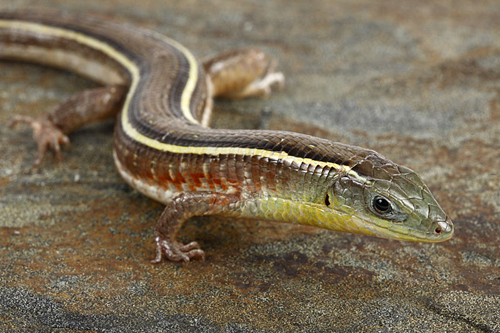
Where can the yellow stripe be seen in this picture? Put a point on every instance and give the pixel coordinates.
(192, 80)
(185, 99)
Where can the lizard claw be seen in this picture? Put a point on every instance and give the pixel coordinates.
(45, 133)
(176, 251)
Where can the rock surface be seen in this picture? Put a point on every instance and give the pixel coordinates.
(418, 81)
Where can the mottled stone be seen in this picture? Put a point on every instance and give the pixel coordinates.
(418, 81)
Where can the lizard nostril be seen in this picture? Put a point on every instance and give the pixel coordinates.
(443, 227)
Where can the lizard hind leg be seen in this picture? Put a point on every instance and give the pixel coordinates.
(45, 133)
(243, 73)
(50, 130)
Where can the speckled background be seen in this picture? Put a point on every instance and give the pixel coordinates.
(418, 81)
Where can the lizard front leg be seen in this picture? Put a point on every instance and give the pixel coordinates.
(182, 207)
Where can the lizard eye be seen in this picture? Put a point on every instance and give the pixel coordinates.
(381, 205)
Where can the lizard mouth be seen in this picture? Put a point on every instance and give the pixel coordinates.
(439, 231)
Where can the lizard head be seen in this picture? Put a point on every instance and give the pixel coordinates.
(378, 197)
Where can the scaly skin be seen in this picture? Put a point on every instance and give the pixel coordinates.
(163, 148)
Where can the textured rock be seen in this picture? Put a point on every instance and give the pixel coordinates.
(418, 81)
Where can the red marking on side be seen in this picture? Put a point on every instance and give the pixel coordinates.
(178, 181)
(210, 181)
(164, 177)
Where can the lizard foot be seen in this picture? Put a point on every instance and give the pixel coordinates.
(176, 251)
(264, 86)
(46, 135)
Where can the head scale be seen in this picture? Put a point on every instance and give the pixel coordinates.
(388, 200)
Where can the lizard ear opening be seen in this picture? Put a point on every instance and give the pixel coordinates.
(327, 200)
